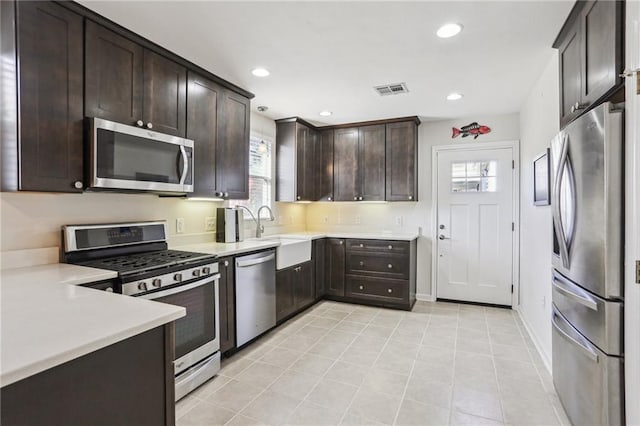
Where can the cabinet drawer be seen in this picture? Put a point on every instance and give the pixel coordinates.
(378, 289)
(378, 264)
(382, 246)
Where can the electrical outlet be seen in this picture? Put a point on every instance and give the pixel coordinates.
(209, 223)
(357, 220)
(399, 220)
(179, 225)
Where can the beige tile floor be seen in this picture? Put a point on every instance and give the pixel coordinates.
(338, 363)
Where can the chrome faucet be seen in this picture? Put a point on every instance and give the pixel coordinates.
(259, 227)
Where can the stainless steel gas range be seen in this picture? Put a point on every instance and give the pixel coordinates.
(147, 269)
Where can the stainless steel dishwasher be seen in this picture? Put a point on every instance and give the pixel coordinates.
(255, 295)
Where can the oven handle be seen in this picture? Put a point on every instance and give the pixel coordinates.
(251, 262)
(180, 288)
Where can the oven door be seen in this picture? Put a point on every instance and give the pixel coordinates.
(127, 157)
(197, 335)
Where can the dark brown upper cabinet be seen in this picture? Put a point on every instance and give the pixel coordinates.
(359, 163)
(324, 156)
(203, 109)
(232, 153)
(590, 48)
(402, 161)
(297, 162)
(46, 153)
(127, 83)
(346, 158)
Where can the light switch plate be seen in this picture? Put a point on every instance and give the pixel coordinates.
(179, 225)
(209, 223)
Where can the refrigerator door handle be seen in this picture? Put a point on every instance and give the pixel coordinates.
(561, 284)
(557, 219)
(590, 353)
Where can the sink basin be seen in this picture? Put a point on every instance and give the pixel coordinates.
(291, 251)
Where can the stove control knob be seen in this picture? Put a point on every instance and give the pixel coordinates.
(196, 272)
(206, 270)
(157, 282)
(142, 286)
(177, 277)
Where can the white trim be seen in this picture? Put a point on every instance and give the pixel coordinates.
(515, 147)
(536, 342)
(425, 297)
(632, 220)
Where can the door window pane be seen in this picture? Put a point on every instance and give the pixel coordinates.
(474, 176)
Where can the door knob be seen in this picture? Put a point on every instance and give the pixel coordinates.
(442, 237)
(441, 227)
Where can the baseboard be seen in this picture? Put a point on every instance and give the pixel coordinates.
(545, 359)
(425, 297)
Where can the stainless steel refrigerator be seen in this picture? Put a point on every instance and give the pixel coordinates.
(587, 277)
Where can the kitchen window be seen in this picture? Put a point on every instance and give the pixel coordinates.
(260, 176)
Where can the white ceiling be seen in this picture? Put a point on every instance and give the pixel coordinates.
(329, 55)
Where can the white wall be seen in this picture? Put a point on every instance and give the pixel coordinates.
(538, 124)
(413, 216)
(33, 220)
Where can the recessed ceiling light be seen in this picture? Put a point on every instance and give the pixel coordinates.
(454, 96)
(448, 30)
(325, 113)
(260, 72)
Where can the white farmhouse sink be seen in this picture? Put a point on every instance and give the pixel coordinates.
(291, 251)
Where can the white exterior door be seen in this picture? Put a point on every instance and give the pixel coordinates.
(475, 215)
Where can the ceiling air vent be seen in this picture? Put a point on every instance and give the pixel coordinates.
(391, 89)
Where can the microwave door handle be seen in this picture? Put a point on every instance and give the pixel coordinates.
(557, 220)
(185, 165)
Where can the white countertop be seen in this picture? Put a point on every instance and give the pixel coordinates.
(270, 241)
(47, 319)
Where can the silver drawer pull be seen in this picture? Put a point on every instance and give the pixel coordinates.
(361, 245)
(389, 291)
(390, 266)
(361, 263)
(361, 287)
(390, 247)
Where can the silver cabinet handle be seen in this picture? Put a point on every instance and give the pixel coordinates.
(77, 184)
(562, 285)
(251, 262)
(390, 266)
(361, 245)
(410, 197)
(226, 263)
(390, 247)
(355, 198)
(226, 194)
(361, 287)
(139, 123)
(328, 198)
(360, 198)
(389, 291)
(149, 126)
(298, 197)
(361, 263)
(341, 242)
(590, 353)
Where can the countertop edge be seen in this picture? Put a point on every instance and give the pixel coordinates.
(8, 378)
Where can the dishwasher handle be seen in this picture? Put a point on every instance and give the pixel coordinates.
(252, 262)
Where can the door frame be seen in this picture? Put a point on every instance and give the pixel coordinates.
(515, 271)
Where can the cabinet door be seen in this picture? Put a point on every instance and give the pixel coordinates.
(402, 161)
(346, 182)
(305, 163)
(372, 163)
(232, 162)
(285, 293)
(324, 159)
(318, 256)
(202, 127)
(335, 267)
(570, 74)
(165, 94)
(227, 310)
(304, 292)
(50, 52)
(113, 76)
(602, 43)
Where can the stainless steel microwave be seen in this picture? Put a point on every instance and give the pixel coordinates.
(133, 158)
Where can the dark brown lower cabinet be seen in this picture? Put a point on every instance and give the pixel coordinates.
(227, 305)
(335, 267)
(318, 255)
(386, 291)
(128, 383)
(295, 289)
